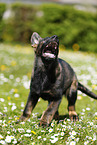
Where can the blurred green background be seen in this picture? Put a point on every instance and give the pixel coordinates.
(76, 29)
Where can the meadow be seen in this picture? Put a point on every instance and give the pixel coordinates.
(16, 62)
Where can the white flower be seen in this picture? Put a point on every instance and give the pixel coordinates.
(11, 77)
(28, 130)
(9, 138)
(18, 80)
(26, 84)
(79, 98)
(52, 124)
(2, 100)
(56, 134)
(94, 136)
(72, 143)
(50, 130)
(44, 139)
(1, 136)
(5, 109)
(16, 95)
(72, 137)
(73, 132)
(91, 123)
(9, 103)
(13, 104)
(12, 137)
(33, 143)
(29, 120)
(39, 100)
(42, 130)
(82, 113)
(36, 126)
(83, 110)
(87, 109)
(22, 122)
(86, 142)
(64, 122)
(8, 132)
(62, 133)
(67, 143)
(64, 126)
(4, 124)
(39, 137)
(69, 127)
(55, 139)
(95, 114)
(27, 135)
(2, 142)
(63, 129)
(0, 121)
(13, 108)
(90, 138)
(15, 141)
(21, 130)
(68, 120)
(76, 139)
(22, 104)
(1, 113)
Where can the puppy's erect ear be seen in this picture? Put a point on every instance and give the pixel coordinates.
(35, 38)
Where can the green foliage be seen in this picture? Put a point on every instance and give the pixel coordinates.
(72, 26)
(19, 27)
(2, 10)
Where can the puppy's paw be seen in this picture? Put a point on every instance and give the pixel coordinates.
(73, 116)
(43, 123)
(21, 119)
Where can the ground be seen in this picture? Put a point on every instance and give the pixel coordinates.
(16, 64)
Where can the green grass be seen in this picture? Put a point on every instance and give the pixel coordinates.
(16, 64)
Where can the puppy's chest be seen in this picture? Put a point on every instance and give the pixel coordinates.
(40, 83)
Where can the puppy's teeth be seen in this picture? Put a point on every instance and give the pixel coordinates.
(49, 55)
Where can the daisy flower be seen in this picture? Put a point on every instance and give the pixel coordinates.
(72, 143)
(50, 130)
(54, 139)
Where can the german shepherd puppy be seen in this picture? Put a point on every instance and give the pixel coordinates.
(52, 78)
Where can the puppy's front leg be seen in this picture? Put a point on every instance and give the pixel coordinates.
(49, 113)
(31, 102)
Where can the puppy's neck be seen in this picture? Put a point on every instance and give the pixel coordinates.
(51, 71)
(50, 68)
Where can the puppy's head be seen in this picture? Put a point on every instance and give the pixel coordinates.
(47, 48)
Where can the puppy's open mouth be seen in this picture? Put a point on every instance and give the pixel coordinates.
(50, 50)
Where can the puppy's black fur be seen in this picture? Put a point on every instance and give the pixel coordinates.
(51, 79)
